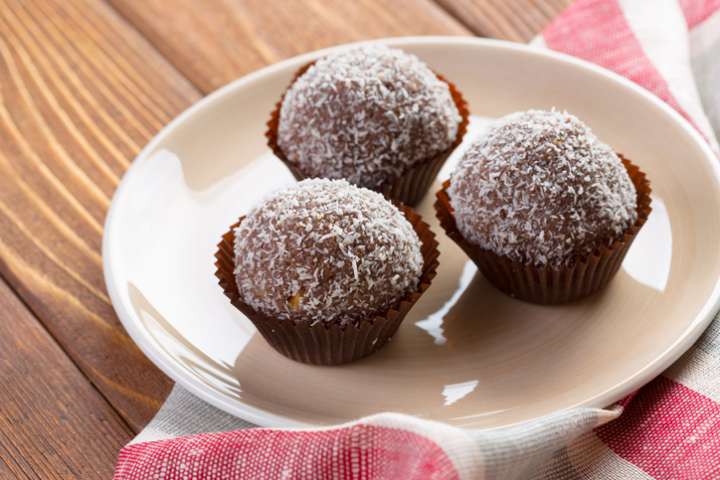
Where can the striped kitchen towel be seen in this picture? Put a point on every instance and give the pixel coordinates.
(670, 429)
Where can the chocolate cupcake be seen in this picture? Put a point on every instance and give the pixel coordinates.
(375, 116)
(326, 271)
(545, 209)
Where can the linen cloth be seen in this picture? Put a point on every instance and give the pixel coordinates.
(670, 429)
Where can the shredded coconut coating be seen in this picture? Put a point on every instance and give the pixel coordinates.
(366, 115)
(326, 251)
(540, 188)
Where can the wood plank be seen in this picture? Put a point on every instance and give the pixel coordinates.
(80, 93)
(53, 423)
(226, 39)
(517, 20)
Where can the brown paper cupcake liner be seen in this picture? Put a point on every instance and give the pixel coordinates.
(410, 187)
(329, 344)
(547, 285)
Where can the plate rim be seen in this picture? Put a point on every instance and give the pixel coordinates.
(261, 417)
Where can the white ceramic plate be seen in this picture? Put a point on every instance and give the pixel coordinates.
(466, 354)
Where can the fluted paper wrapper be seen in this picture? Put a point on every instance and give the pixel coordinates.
(547, 285)
(413, 184)
(331, 343)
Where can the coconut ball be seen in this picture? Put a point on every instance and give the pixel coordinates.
(367, 115)
(326, 251)
(540, 188)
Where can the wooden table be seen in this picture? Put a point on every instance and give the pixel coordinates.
(83, 86)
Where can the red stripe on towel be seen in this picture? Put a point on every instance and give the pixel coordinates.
(360, 452)
(697, 11)
(668, 431)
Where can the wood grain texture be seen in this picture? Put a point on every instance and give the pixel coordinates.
(53, 423)
(80, 93)
(517, 20)
(221, 40)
